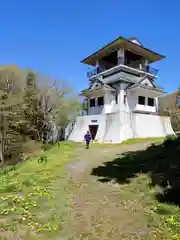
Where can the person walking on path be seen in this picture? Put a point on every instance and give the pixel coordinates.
(87, 138)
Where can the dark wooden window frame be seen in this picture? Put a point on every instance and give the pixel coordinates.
(151, 102)
(100, 101)
(125, 99)
(141, 100)
(92, 102)
(116, 98)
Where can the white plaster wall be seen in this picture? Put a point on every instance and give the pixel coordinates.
(97, 63)
(110, 97)
(167, 125)
(77, 130)
(120, 55)
(82, 125)
(134, 125)
(109, 102)
(156, 105)
(117, 127)
(127, 128)
(145, 108)
(124, 85)
(121, 97)
(112, 128)
(95, 110)
(115, 108)
(146, 82)
(107, 108)
(110, 105)
(151, 126)
(132, 100)
(121, 92)
(117, 87)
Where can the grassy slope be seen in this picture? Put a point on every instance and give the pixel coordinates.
(30, 196)
(129, 141)
(117, 200)
(35, 198)
(135, 174)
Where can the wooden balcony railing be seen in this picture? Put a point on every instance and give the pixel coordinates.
(122, 61)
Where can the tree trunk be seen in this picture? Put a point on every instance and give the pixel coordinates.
(1, 138)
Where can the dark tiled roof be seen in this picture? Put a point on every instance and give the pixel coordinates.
(136, 85)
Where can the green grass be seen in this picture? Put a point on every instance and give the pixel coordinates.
(141, 140)
(108, 196)
(32, 194)
(128, 142)
(148, 185)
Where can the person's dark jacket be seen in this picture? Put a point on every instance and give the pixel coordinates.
(87, 137)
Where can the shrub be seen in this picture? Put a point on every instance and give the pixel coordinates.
(47, 146)
(170, 137)
(31, 146)
(8, 169)
(42, 159)
(172, 141)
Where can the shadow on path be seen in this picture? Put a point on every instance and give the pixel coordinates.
(160, 162)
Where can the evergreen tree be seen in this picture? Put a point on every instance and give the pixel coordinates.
(32, 109)
(10, 116)
(29, 110)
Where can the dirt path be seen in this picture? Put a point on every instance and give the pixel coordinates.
(104, 210)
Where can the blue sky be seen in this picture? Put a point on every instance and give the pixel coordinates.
(53, 36)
